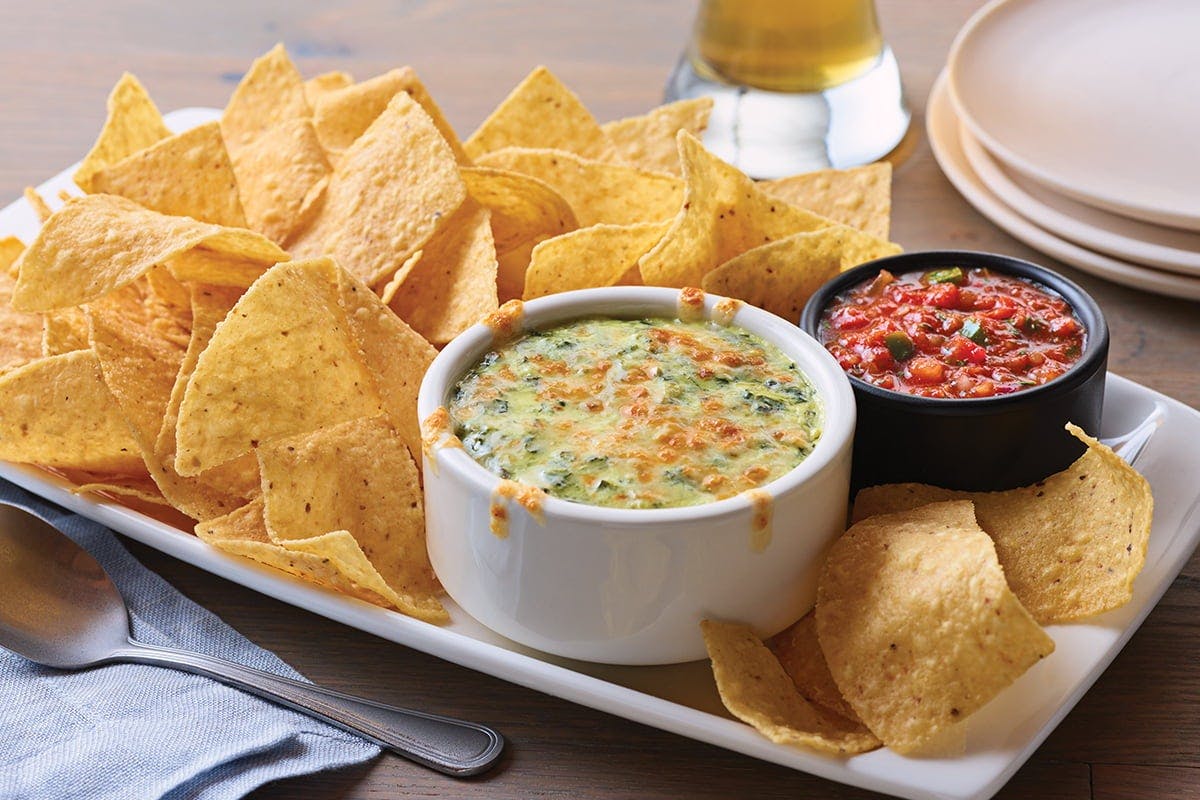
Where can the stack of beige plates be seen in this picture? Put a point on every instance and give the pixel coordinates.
(1075, 126)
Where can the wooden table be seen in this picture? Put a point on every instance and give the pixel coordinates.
(1136, 733)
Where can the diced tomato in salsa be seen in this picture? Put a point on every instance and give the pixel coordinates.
(980, 334)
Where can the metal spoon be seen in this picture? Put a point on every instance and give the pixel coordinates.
(60, 609)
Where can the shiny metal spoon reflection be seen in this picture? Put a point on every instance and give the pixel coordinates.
(60, 609)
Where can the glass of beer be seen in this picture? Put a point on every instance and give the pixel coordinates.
(797, 85)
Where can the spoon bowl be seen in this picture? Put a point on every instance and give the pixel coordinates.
(62, 610)
(59, 608)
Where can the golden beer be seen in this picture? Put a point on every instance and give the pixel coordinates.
(785, 45)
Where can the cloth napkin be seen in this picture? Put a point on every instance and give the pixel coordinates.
(139, 732)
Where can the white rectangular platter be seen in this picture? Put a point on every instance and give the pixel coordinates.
(683, 698)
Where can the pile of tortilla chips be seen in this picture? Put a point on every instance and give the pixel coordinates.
(233, 321)
(932, 603)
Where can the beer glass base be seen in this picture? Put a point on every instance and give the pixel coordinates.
(772, 134)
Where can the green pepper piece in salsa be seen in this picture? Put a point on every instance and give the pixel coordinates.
(972, 330)
(899, 345)
(949, 275)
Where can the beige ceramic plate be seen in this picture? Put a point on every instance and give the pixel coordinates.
(1171, 249)
(942, 125)
(1096, 99)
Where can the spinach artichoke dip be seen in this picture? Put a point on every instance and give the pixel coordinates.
(643, 413)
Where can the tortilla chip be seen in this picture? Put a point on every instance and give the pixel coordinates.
(453, 285)
(597, 192)
(780, 276)
(388, 293)
(602, 255)
(187, 175)
(388, 195)
(725, 214)
(523, 207)
(799, 653)
(64, 330)
(342, 116)
(168, 291)
(144, 370)
(418, 92)
(133, 124)
(38, 204)
(20, 332)
(282, 363)
(357, 477)
(860, 197)
(1071, 545)
(243, 533)
(222, 489)
(318, 86)
(271, 92)
(279, 175)
(134, 487)
(57, 412)
(139, 365)
(525, 211)
(215, 269)
(332, 560)
(396, 355)
(99, 243)
(540, 112)
(648, 141)
(756, 690)
(10, 250)
(918, 625)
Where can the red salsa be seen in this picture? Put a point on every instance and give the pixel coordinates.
(952, 332)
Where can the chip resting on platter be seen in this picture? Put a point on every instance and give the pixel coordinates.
(724, 214)
(282, 176)
(540, 112)
(57, 411)
(283, 362)
(270, 92)
(1070, 545)
(186, 175)
(358, 477)
(756, 689)
(799, 652)
(648, 141)
(860, 197)
(96, 244)
(390, 192)
(133, 124)
(326, 83)
(918, 625)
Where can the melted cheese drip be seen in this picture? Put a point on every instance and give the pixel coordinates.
(691, 304)
(725, 310)
(530, 498)
(506, 320)
(760, 527)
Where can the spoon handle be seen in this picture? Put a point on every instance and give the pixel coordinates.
(447, 745)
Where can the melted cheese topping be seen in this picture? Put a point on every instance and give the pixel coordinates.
(637, 413)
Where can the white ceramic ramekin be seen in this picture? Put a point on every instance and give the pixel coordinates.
(630, 586)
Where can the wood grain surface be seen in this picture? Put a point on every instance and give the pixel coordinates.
(1137, 732)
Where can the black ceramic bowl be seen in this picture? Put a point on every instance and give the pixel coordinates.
(988, 443)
